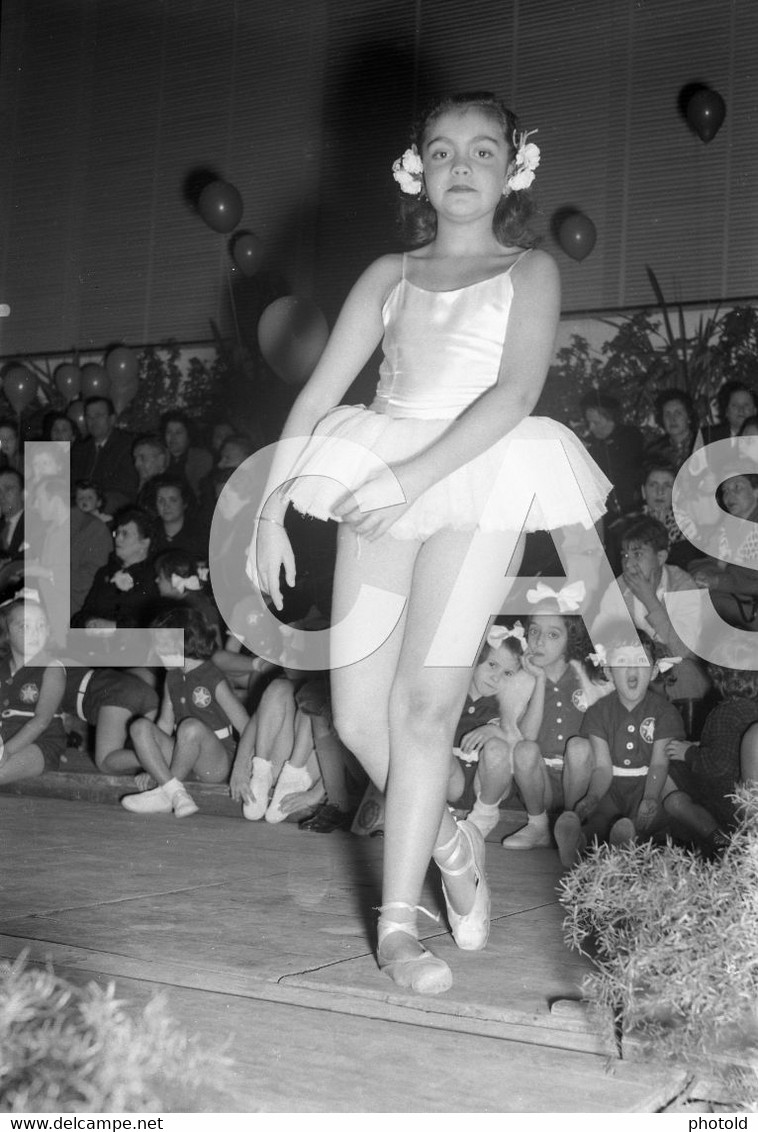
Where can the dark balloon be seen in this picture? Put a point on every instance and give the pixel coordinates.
(577, 235)
(95, 381)
(292, 333)
(75, 412)
(20, 387)
(121, 364)
(247, 252)
(68, 379)
(220, 206)
(706, 111)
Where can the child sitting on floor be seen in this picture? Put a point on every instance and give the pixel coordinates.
(194, 733)
(32, 738)
(496, 705)
(627, 789)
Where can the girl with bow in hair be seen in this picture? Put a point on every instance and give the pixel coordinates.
(494, 714)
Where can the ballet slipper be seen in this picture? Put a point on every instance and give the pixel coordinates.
(423, 973)
(470, 931)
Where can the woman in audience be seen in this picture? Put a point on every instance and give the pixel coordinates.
(731, 577)
(736, 402)
(616, 448)
(185, 459)
(59, 426)
(124, 590)
(176, 529)
(11, 454)
(675, 415)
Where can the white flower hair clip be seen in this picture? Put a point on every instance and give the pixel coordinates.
(181, 584)
(599, 656)
(569, 597)
(525, 162)
(499, 633)
(667, 662)
(123, 581)
(202, 573)
(408, 171)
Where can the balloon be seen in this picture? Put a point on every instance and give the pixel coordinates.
(247, 252)
(706, 111)
(68, 379)
(95, 381)
(19, 386)
(292, 333)
(577, 235)
(75, 412)
(121, 364)
(220, 206)
(123, 392)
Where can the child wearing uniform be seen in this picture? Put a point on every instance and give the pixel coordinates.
(467, 321)
(557, 643)
(627, 790)
(496, 704)
(31, 689)
(195, 731)
(108, 699)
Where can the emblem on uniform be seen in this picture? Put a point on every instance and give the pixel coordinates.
(29, 694)
(579, 700)
(647, 729)
(201, 697)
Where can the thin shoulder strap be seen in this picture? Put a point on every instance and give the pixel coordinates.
(518, 260)
(402, 276)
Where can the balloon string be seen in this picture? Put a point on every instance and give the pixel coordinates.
(233, 302)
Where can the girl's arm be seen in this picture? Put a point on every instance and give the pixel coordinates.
(50, 696)
(601, 778)
(527, 351)
(535, 710)
(656, 780)
(231, 707)
(166, 718)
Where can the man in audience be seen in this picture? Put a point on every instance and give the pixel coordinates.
(151, 459)
(12, 532)
(105, 457)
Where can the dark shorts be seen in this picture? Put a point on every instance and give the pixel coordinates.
(112, 687)
(52, 741)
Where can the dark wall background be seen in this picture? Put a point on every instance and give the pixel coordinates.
(111, 107)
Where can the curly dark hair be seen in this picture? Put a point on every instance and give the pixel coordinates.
(578, 643)
(418, 220)
(200, 641)
(724, 395)
(666, 396)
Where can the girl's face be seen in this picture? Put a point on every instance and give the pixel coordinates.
(466, 159)
(165, 589)
(169, 504)
(63, 429)
(87, 499)
(740, 497)
(629, 679)
(27, 630)
(739, 407)
(657, 491)
(676, 420)
(489, 676)
(8, 442)
(165, 643)
(44, 464)
(598, 423)
(547, 638)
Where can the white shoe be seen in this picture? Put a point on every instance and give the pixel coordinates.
(569, 838)
(182, 802)
(534, 835)
(260, 788)
(150, 802)
(291, 780)
(470, 931)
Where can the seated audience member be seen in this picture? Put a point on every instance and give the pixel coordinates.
(645, 580)
(109, 699)
(74, 547)
(657, 484)
(185, 459)
(234, 450)
(11, 453)
(625, 789)
(88, 498)
(731, 578)
(12, 532)
(124, 591)
(727, 754)
(221, 430)
(342, 777)
(150, 456)
(199, 715)
(178, 578)
(737, 403)
(615, 447)
(177, 526)
(31, 728)
(105, 455)
(59, 426)
(749, 428)
(277, 753)
(676, 417)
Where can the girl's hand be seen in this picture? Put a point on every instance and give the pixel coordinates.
(296, 803)
(475, 740)
(369, 510)
(584, 808)
(646, 812)
(530, 667)
(239, 782)
(269, 550)
(677, 749)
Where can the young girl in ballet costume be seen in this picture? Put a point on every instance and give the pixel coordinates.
(467, 321)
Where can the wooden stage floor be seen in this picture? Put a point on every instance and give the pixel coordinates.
(264, 933)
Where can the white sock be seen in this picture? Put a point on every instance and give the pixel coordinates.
(540, 820)
(484, 815)
(171, 787)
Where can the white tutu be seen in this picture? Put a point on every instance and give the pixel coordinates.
(492, 492)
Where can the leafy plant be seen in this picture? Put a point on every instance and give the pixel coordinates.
(674, 940)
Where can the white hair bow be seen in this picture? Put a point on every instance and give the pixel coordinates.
(181, 584)
(667, 662)
(599, 656)
(499, 633)
(569, 597)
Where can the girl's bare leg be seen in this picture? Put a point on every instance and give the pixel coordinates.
(154, 749)
(111, 753)
(198, 751)
(26, 763)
